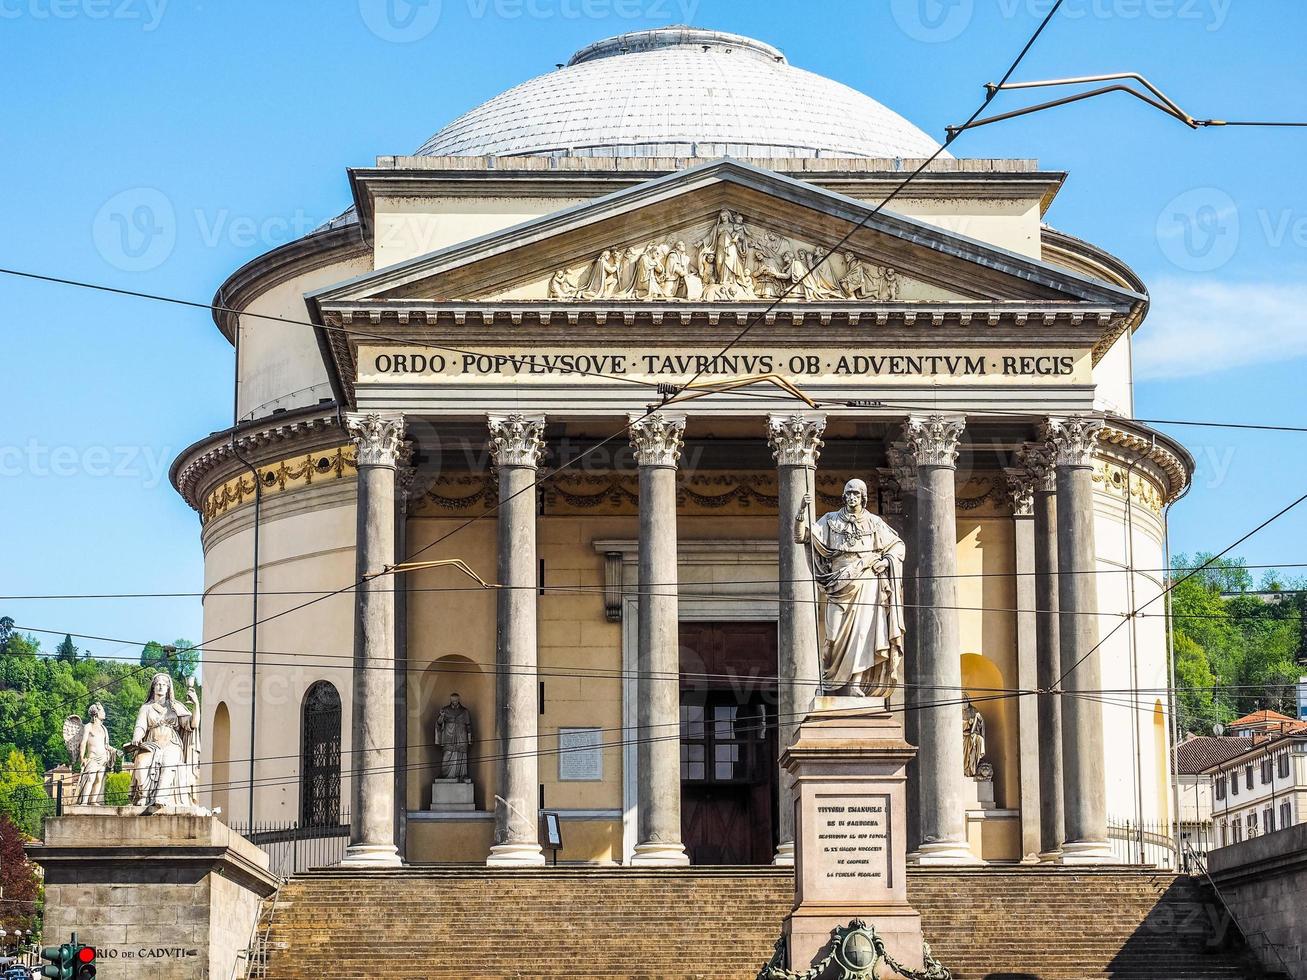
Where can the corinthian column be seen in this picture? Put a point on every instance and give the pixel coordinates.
(657, 440)
(1021, 496)
(795, 443)
(1073, 440)
(515, 450)
(1037, 460)
(372, 720)
(932, 443)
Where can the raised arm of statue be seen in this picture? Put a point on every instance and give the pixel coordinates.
(802, 526)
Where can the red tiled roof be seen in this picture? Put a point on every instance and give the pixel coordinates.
(1266, 720)
(1200, 753)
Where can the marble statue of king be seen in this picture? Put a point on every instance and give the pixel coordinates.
(857, 561)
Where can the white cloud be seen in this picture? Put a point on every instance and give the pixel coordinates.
(1202, 328)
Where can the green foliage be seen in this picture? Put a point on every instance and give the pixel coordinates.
(179, 658)
(66, 650)
(117, 788)
(1235, 651)
(23, 798)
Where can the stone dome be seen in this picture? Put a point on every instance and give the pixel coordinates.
(681, 92)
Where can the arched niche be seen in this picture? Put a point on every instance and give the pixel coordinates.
(983, 683)
(220, 774)
(1160, 761)
(475, 686)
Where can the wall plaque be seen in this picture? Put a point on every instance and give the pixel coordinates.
(580, 755)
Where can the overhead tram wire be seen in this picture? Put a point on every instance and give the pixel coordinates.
(1175, 582)
(862, 222)
(627, 590)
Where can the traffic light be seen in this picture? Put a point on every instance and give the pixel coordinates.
(84, 963)
(61, 960)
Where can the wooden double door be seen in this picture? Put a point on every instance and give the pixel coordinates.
(728, 742)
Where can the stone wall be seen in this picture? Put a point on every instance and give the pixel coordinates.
(1263, 881)
(171, 895)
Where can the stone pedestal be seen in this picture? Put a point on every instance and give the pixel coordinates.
(848, 764)
(451, 794)
(173, 895)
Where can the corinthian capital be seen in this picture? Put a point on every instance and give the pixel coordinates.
(1020, 490)
(379, 438)
(902, 466)
(1036, 458)
(1072, 438)
(796, 438)
(515, 439)
(932, 440)
(657, 438)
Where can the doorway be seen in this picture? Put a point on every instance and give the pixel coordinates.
(728, 742)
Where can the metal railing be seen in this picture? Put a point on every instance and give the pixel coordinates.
(1151, 843)
(293, 847)
(1199, 865)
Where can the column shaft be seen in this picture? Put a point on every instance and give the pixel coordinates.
(796, 444)
(372, 724)
(516, 447)
(933, 442)
(1048, 627)
(1083, 763)
(657, 441)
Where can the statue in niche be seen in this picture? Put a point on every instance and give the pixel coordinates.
(454, 738)
(973, 743)
(88, 746)
(857, 560)
(165, 747)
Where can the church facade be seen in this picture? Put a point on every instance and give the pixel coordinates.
(532, 424)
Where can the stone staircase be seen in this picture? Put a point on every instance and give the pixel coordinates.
(984, 924)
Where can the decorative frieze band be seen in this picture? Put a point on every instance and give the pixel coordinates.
(378, 437)
(657, 439)
(932, 440)
(516, 439)
(795, 438)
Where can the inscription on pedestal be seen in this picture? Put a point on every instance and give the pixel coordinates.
(853, 834)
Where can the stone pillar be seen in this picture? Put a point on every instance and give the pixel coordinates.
(1021, 497)
(372, 727)
(796, 443)
(405, 477)
(1073, 440)
(657, 441)
(515, 450)
(932, 441)
(1036, 459)
(903, 473)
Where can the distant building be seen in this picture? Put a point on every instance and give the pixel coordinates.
(61, 781)
(1263, 788)
(1194, 759)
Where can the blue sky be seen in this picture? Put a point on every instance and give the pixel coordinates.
(236, 121)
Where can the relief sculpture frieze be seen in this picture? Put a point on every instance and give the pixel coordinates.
(726, 260)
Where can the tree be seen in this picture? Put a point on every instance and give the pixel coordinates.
(66, 650)
(21, 907)
(6, 630)
(22, 793)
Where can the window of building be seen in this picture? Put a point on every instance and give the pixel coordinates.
(1237, 827)
(1225, 833)
(320, 756)
(1266, 771)
(1286, 815)
(1234, 783)
(1268, 819)
(1252, 824)
(722, 742)
(1283, 761)
(1220, 787)
(1248, 775)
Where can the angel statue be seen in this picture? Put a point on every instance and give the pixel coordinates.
(857, 561)
(89, 748)
(165, 747)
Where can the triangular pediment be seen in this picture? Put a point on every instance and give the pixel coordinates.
(724, 233)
